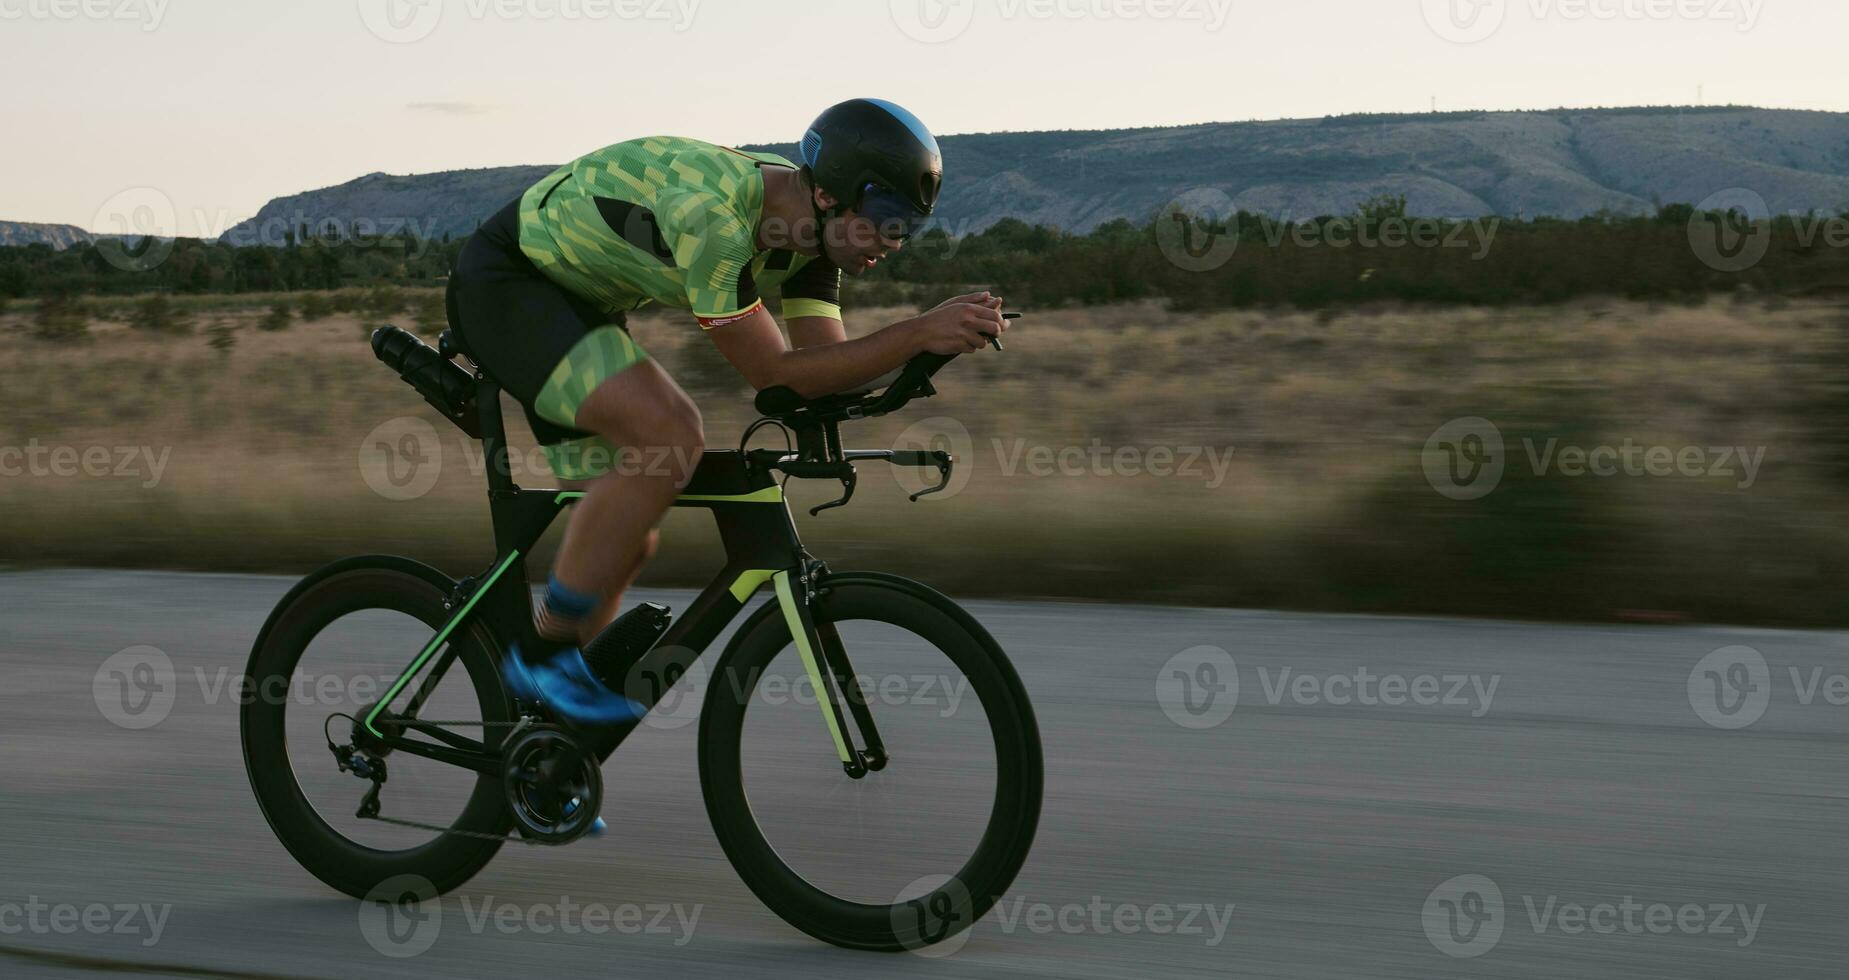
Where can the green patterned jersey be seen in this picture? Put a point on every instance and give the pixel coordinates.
(671, 221)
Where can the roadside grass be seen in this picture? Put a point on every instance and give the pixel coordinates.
(1305, 489)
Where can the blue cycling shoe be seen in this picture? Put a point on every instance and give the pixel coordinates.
(565, 684)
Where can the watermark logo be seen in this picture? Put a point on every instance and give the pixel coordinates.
(1464, 916)
(401, 21)
(1195, 230)
(1464, 459)
(143, 216)
(1208, 464)
(37, 917)
(1731, 687)
(1473, 21)
(933, 21)
(401, 459)
(1465, 21)
(148, 13)
(1731, 231)
(37, 460)
(939, 434)
(409, 21)
(933, 915)
(674, 680)
(1199, 687)
(136, 688)
(402, 917)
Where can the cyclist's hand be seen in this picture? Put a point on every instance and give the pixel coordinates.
(984, 298)
(960, 328)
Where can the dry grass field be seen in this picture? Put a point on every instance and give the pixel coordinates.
(1117, 453)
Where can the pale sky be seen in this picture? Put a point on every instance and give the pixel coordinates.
(220, 105)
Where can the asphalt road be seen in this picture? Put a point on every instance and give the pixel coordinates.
(1579, 775)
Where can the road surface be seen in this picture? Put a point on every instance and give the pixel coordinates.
(1373, 797)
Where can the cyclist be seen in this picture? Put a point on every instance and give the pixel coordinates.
(539, 295)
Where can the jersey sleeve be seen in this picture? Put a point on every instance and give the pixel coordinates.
(813, 290)
(712, 246)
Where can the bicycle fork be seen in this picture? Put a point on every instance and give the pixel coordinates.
(824, 656)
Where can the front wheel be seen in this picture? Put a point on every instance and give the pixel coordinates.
(917, 849)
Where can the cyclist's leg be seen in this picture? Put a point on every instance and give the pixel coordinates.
(642, 410)
(551, 351)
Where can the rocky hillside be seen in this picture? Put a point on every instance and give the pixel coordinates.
(27, 233)
(1566, 163)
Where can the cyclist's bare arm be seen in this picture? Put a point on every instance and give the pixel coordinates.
(757, 348)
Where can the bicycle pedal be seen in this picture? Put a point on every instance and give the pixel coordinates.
(617, 648)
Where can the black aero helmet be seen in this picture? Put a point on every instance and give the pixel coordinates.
(876, 158)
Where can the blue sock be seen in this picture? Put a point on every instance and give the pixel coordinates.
(562, 609)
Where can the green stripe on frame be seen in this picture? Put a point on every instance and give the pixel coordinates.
(437, 643)
(768, 495)
(749, 582)
(793, 618)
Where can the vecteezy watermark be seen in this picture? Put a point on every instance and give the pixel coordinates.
(36, 917)
(933, 915)
(407, 21)
(135, 688)
(1022, 458)
(1205, 463)
(1466, 917)
(401, 459)
(938, 21)
(1196, 231)
(142, 216)
(1466, 459)
(1732, 687)
(1471, 21)
(38, 460)
(403, 917)
(147, 13)
(1732, 230)
(345, 231)
(1199, 688)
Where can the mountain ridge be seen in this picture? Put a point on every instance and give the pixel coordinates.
(1564, 163)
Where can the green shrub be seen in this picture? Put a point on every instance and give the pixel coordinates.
(316, 306)
(430, 312)
(61, 319)
(384, 301)
(222, 335)
(157, 313)
(280, 317)
(347, 300)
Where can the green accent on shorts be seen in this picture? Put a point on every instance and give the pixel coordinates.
(603, 354)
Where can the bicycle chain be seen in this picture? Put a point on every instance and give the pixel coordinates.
(472, 834)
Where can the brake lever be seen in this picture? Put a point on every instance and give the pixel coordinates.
(848, 481)
(944, 462)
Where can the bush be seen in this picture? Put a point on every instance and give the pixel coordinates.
(158, 314)
(316, 306)
(61, 319)
(431, 312)
(280, 317)
(347, 300)
(384, 301)
(222, 335)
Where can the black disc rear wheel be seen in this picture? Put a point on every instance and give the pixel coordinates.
(334, 646)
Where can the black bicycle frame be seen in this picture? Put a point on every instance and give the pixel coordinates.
(761, 546)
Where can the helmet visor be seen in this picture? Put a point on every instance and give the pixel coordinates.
(890, 212)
